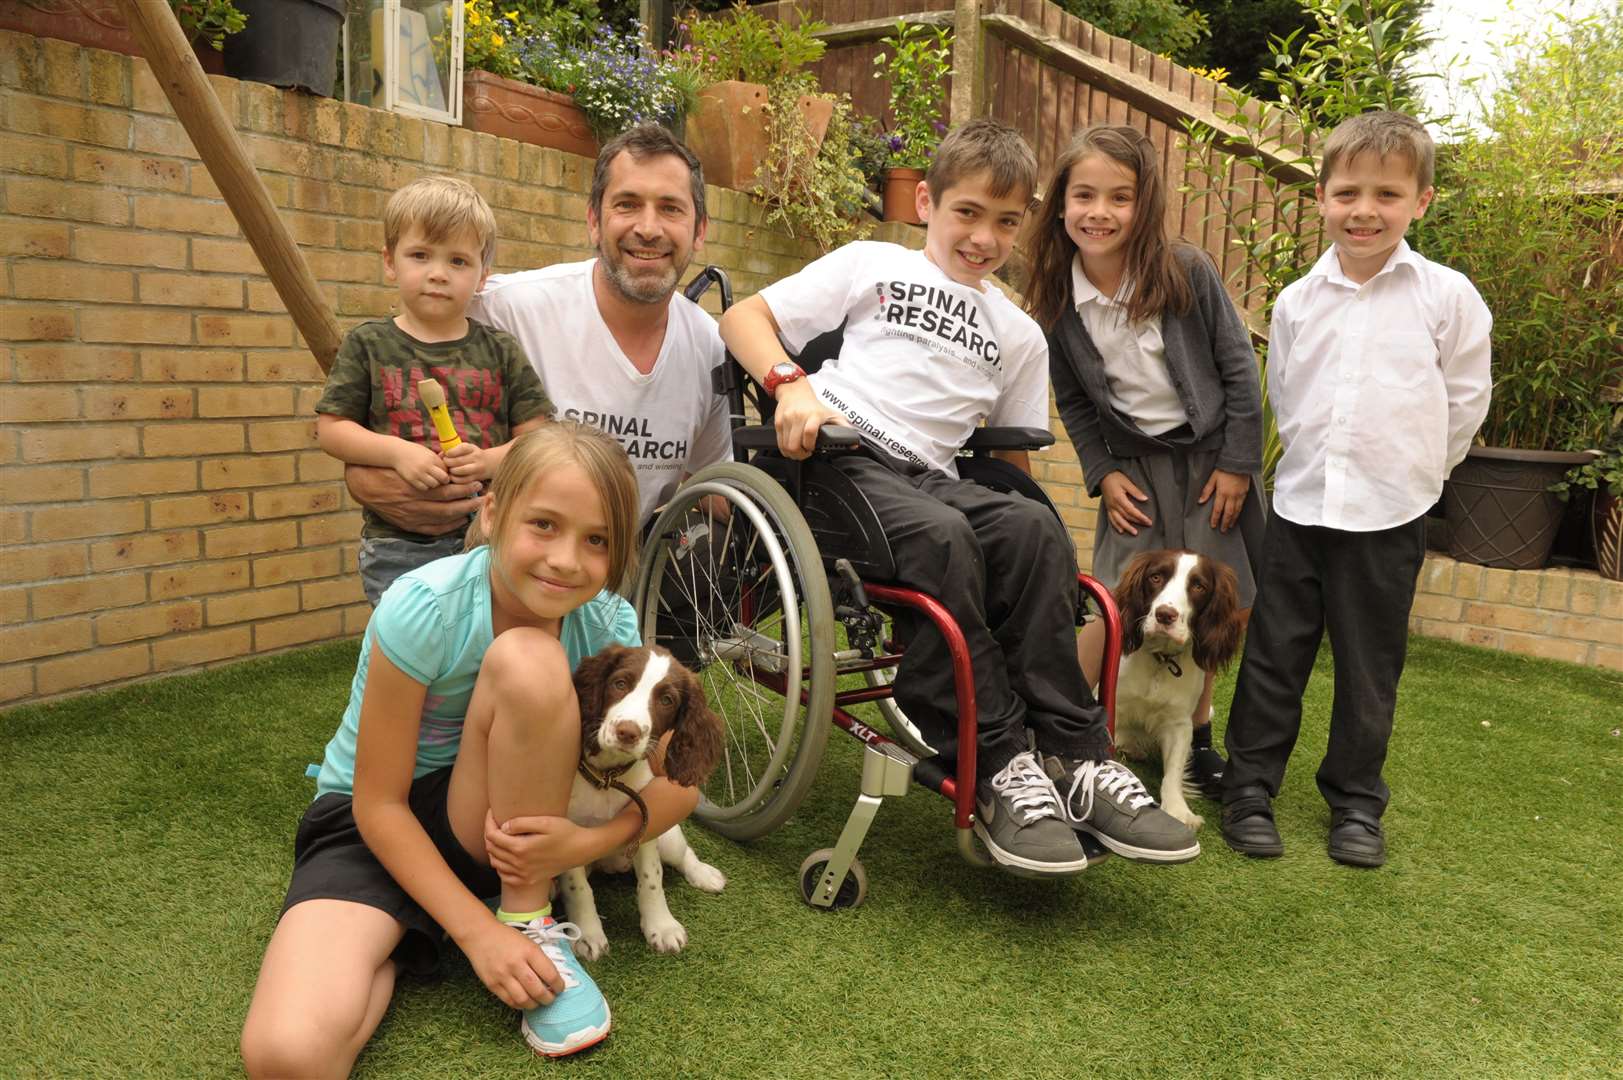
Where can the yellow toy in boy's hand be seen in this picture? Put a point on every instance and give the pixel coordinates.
(431, 395)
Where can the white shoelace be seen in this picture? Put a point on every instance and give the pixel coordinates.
(547, 936)
(1111, 777)
(1031, 794)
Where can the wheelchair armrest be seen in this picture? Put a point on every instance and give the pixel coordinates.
(1008, 438)
(764, 437)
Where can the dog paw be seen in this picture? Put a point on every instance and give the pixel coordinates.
(705, 878)
(666, 936)
(593, 944)
(1189, 818)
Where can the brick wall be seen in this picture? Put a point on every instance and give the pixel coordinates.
(163, 505)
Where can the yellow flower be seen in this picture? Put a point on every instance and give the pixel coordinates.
(513, 15)
(495, 39)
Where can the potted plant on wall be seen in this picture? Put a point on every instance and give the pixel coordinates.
(289, 43)
(917, 60)
(1528, 210)
(743, 61)
(206, 24)
(814, 187)
(557, 80)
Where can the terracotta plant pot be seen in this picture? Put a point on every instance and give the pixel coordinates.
(95, 24)
(900, 195)
(727, 131)
(1499, 507)
(516, 110)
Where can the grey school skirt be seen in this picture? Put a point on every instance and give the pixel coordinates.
(1173, 481)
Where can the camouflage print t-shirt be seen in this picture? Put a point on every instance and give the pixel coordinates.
(489, 389)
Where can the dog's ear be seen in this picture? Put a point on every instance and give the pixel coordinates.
(1133, 601)
(592, 680)
(696, 736)
(1217, 624)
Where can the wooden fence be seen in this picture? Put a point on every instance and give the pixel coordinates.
(1049, 74)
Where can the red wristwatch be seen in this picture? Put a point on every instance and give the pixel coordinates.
(786, 372)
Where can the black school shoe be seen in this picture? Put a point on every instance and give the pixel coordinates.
(1203, 774)
(1248, 824)
(1355, 839)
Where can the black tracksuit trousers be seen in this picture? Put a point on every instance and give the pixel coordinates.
(1005, 567)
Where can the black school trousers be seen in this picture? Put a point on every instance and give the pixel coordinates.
(1005, 568)
(1359, 586)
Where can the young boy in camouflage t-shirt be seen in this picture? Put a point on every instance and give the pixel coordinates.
(439, 241)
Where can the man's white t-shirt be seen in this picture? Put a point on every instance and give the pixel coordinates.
(668, 420)
(924, 360)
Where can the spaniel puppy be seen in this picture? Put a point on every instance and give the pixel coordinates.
(629, 699)
(1180, 620)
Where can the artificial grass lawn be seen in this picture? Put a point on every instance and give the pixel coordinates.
(149, 833)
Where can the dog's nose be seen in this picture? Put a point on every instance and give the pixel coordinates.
(1166, 615)
(627, 733)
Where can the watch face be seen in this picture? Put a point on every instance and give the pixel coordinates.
(785, 370)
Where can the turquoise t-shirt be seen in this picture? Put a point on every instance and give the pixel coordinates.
(434, 625)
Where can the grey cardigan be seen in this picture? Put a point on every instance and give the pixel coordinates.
(1213, 369)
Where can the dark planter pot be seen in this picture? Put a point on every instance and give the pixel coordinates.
(1499, 507)
(1608, 534)
(289, 43)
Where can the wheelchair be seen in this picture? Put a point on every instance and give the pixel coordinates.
(767, 576)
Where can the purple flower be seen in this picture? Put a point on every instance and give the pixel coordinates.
(895, 143)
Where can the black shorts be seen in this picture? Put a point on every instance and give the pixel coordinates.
(332, 862)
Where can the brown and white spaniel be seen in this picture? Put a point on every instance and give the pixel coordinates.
(1180, 617)
(629, 700)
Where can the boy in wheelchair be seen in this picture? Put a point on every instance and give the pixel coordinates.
(931, 350)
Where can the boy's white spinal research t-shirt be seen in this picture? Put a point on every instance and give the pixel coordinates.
(669, 420)
(924, 361)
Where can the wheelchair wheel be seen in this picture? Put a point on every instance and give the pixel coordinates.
(852, 890)
(742, 599)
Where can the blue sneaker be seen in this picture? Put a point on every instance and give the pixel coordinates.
(578, 1017)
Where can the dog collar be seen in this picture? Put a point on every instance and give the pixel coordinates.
(1168, 659)
(610, 778)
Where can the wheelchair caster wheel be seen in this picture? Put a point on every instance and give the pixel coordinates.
(851, 892)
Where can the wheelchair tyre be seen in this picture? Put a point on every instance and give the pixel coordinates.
(714, 594)
(851, 892)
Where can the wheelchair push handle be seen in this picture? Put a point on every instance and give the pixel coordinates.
(701, 282)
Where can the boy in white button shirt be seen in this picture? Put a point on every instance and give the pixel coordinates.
(1378, 374)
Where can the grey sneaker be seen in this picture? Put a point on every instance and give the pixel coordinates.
(1019, 819)
(1104, 799)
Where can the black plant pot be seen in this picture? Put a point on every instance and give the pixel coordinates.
(1499, 507)
(290, 43)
